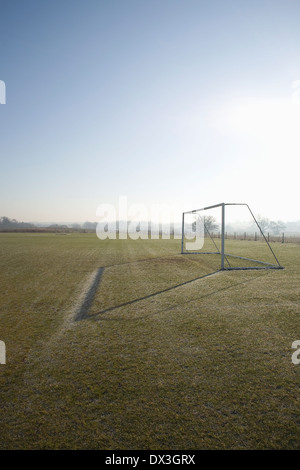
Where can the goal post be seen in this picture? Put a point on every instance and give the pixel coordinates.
(199, 225)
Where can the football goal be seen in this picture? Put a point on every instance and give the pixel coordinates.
(231, 233)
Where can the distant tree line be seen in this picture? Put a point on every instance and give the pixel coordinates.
(6, 224)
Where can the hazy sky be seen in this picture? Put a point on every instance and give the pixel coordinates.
(186, 102)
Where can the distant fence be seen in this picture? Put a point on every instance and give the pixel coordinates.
(284, 237)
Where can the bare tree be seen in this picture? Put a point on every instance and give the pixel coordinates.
(210, 223)
(276, 227)
(263, 222)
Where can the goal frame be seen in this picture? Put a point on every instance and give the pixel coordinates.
(224, 255)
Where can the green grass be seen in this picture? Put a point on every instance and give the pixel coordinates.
(206, 365)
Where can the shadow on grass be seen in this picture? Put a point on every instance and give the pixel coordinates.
(83, 314)
(88, 300)
(139, 299)
(217, 291)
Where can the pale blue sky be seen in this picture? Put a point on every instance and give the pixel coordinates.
(185, 102)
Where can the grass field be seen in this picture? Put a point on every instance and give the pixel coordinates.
(167, 357)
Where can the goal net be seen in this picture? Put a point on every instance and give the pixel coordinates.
(231, 234)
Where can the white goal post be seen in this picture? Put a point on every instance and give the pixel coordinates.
(199, 215)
